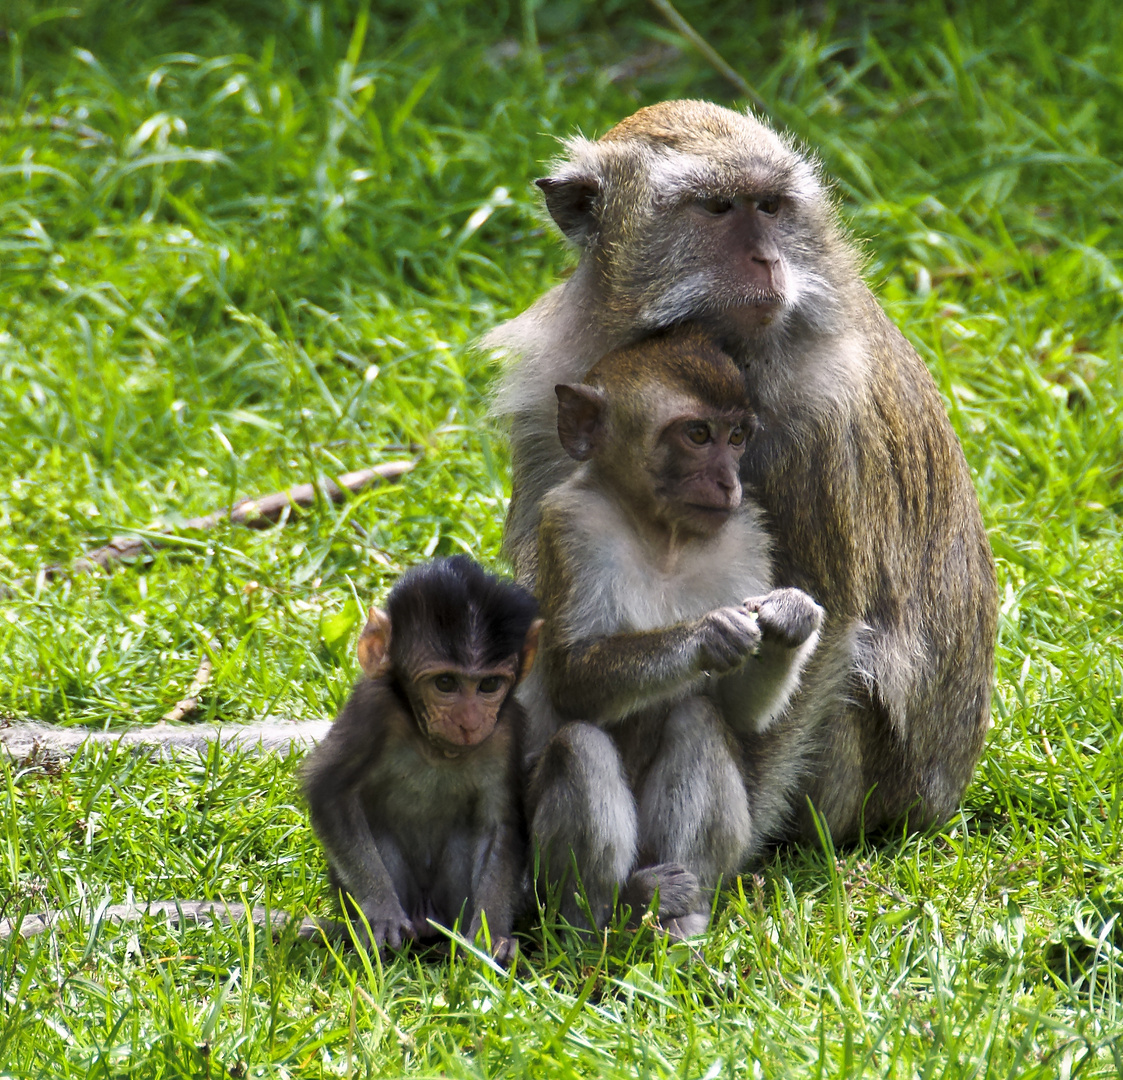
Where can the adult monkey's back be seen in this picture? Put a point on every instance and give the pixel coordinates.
(690, 211)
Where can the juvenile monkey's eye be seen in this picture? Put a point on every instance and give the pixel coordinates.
(698, 434)
(490, 684)
(769, 206)
(715, 204)
(446, 684)
(737, 435)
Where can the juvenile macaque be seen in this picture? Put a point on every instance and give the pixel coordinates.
(653, 661)
(688, 211)
(416, 792)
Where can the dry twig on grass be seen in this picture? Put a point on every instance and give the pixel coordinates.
(259, 513)
(190, 701)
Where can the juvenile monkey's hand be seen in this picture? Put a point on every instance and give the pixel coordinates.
(390, 926)
(787, 617)
(728, 636)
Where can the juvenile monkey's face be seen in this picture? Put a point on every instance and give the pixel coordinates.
(695, 468)
(458, 708)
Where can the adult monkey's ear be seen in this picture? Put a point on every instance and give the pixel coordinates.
(580, 419)
(571, 201)
(374, 644)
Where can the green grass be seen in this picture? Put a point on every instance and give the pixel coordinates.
(245, 246)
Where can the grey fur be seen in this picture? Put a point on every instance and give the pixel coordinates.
(866, 497)
(413, 836)
(646, 628)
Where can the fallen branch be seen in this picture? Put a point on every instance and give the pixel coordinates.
(190, 701)
(177, 913)
(258, 513)
(30, 741)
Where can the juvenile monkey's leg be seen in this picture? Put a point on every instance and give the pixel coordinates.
(583, 816)
(693, 809)
(498, 859)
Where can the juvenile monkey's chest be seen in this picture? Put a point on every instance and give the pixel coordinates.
(425, 806)
(635, 588)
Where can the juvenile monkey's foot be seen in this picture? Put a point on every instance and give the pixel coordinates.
(504, 950)
(687, 926)
(677, 889)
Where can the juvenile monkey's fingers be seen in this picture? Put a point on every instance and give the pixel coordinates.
(787, 617)
(731, 637)
(390, 931)
(397, 934)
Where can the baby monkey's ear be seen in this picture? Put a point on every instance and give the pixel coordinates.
(374, 644)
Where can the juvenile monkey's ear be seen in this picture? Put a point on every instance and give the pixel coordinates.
(529, 650)
(374, 644)
(580, 419)
(571, 202)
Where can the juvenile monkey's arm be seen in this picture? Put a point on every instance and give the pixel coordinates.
(758, 693)
(333, 778)
(341, 825)
(608, 677)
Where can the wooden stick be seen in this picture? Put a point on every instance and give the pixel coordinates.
(178, 914)
(30, 741)
(190, 702)
(258, 513)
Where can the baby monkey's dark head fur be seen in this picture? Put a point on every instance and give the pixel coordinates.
(453, 642)
(469, 615)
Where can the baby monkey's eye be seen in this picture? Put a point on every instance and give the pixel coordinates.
(699, 434)
(769, 206)
(737, 435)
(446, 684)
(491, 684)
(716, 204)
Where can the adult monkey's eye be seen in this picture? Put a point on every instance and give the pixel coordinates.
(446, 684)
(715, 204)
(698, 434)
(769, 206)
(737, 435)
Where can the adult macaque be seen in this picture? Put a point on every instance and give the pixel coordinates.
(688, 211)
(649, 649)
(416, 793)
